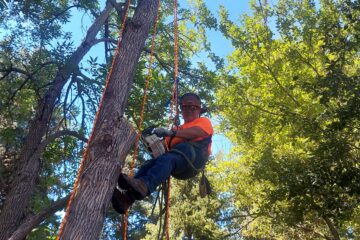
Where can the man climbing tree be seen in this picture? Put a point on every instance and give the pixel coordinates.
(49, 84)
(190, 146)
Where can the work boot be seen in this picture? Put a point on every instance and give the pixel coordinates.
(121, 200)
(122, 182)
(138, 188)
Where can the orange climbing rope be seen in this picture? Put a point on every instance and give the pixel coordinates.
(174, 105)
(174, 100)
(176, 59)
(138, 135)
(63, 223)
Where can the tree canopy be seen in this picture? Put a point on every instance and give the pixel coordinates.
(287, 97)
(291, 110)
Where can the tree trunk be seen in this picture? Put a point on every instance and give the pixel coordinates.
(24, 182)
(112, 136)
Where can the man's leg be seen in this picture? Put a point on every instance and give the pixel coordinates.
(162, 168)
(144, 168)
(124, 197)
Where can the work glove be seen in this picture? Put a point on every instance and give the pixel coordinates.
(162, 132)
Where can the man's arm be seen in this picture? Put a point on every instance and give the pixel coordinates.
(191, 133)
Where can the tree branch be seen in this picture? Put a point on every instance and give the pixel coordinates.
(58, 134)
(280, 85)
(62, 12)
(119, 7)
(241, 227)
(332, 228)
(88, 80)
(17, 70)
(237, 216)
(266, 67)
(73, 79)
(85, 90)
(30, 76)
(83, 109)
(16, 91)
(167, 67)
(30, 223)
(24, 72)
(162, 63)
(262, 109)
(106, 35)
(96, 41)
(308, 229)
(307, 62)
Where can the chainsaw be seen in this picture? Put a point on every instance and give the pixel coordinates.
(152, 142)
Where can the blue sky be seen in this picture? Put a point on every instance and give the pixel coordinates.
(220, 45)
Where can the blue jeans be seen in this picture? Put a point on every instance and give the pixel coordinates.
(157, 170)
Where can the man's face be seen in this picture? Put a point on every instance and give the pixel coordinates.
(190, 108)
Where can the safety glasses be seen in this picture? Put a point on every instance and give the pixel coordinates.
(189, 108)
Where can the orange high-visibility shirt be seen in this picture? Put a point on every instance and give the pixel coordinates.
(202, 122)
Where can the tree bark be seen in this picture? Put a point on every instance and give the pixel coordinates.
(24, 182)
(33, 221)
(112, 137)
(332, 228)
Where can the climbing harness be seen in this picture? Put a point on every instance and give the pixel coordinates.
(194, 153)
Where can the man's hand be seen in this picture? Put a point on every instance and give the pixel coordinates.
(162, 132)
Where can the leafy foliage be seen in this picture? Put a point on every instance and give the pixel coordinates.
(290, 110)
